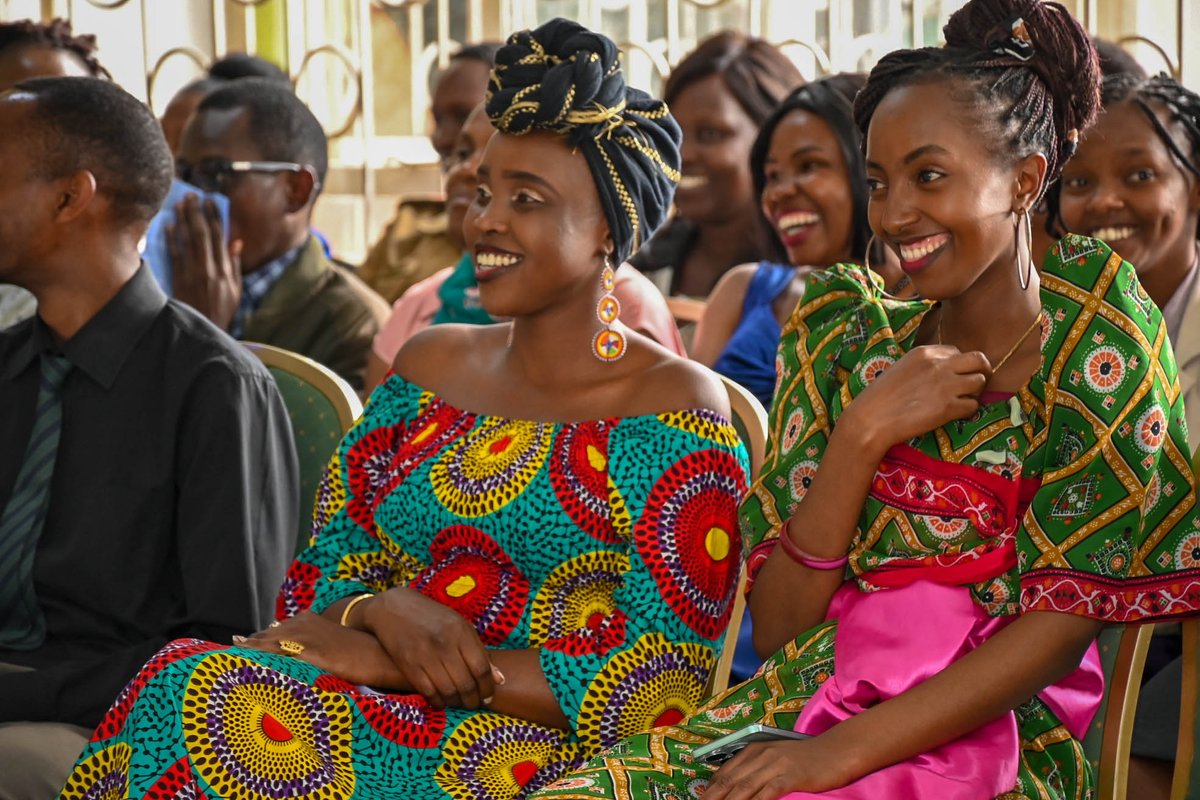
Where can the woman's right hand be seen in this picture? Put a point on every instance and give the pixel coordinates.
(438, 651)
(929, 386)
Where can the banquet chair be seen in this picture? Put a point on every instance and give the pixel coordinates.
(1123, 655)
(322, 407)
(750, 421)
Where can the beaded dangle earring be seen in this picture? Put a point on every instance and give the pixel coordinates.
(608, 344)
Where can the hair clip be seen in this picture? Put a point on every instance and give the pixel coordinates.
(1072, 141)
(1019, 44)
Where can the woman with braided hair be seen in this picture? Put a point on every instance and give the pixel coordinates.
(526, 548)
(959, 491)
(1135, 183)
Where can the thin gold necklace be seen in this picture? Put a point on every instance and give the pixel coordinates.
(1012, 350)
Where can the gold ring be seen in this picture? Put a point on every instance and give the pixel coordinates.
(290, 647)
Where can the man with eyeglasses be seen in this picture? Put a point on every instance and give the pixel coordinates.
(256, 143)
(148, 477)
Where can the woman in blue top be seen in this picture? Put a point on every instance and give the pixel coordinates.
(808, 172)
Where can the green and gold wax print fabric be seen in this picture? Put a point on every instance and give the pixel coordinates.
(1111, 531)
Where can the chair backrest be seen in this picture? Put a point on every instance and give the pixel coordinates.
(1186, 781)
(1123, 655)
(686, 309)
(322, 407)
(1107, 743)
(750, 420)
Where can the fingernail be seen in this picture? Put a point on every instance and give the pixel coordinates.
(239, 639)
(498, 676)
(487, 701)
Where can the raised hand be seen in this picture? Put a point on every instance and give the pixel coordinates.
(205, 274)
(928, 387)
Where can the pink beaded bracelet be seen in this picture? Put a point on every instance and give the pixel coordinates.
(812, 562)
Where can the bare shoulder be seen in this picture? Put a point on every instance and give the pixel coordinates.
(735, 281)
(671, 383)
(424, 358)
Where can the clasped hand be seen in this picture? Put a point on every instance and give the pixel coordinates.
(408, 643)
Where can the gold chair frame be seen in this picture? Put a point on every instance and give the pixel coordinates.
(746, 409)
(344, 400)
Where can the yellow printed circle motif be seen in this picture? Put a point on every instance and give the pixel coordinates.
(249, 728)
(490, 466)
(654, 683)
(496, 756)
(103, 775)
(577, 600)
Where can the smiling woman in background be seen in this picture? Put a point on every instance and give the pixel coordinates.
(808, 170)
(1135, 184)
(721, 93)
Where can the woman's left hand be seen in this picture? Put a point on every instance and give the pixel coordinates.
(351, 655)
(769, 770)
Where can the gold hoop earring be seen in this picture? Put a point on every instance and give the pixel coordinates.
(867, 255)
(1024, 276)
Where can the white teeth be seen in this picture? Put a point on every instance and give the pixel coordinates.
(495, 260)
(913, 252)
(796, 219)
(692, 181)
(1112, 234)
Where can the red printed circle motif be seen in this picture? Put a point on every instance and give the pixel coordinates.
(1151, 430)
(1105, 369)
(872, 368)
(474, 576)
(372, 473)
(945, 528)
(794, 428)
(1187, 555)
(800, 478)
(688, 538)
(580, 479)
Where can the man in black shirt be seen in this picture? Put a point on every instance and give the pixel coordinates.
(152, 495)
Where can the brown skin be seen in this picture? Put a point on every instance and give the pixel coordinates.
(37, 61)
(460, 184)
(61, 241)
(1123, 176)
(717, 137)
(805, 171)
(459, 90)
(529, 204)
(177, 114)
(931, 172)
(269, 215)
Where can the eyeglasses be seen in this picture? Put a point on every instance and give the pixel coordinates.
(216, 175)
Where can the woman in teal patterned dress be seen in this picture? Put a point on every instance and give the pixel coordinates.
(959, 491)
(527, 547)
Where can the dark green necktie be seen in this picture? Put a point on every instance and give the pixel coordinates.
(21, 624)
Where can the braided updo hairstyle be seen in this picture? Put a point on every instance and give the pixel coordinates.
(1182, 108)
(1027, 66)
(565, 79)
(55, 35)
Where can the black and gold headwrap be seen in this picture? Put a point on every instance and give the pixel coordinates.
(566, 79)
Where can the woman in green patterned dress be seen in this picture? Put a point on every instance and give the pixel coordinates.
(961, 490)
(527, 547)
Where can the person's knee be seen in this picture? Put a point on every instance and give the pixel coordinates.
(37, 758)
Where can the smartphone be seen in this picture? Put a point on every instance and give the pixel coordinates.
(718, 751)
